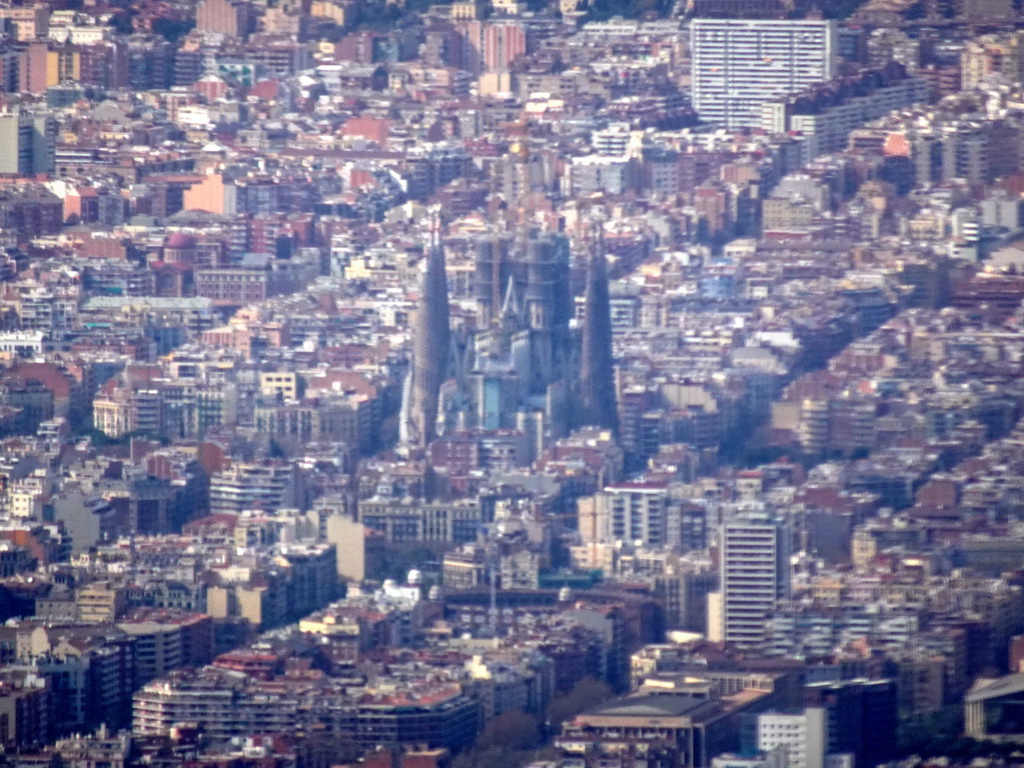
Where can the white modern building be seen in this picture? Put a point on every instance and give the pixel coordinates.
(648, 515)
(738, 65)
(754, 576)
(803, 736)
(634, 512)
(22, 343)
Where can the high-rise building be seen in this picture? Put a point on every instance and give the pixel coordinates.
(431, 341)
(738, 65)
(503, 43)
(754, 576)
(597, 384)
(227, 17)
(547, 305)
(492, 46)
(28, 143)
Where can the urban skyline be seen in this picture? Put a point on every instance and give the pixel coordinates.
(511, 383)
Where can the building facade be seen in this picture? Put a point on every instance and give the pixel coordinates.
(754, 576)
(738, 65)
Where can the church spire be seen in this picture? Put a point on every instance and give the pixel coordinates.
(431, 343)
(597, 383)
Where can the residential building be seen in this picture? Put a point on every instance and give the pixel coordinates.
(754, 576)
(738, 65)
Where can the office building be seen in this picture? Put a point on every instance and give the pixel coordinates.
(739, 65)
(862, 717)
(404, 521)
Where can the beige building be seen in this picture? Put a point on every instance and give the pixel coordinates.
(100, 603)
(210, 194)
(112, 414)
(30, 22)
(468, 10)
(280, 383)
(587, 520)
(349, 540)
(778, 213)
(227, 17)
(338, 627)
(992, 56)
(165, 642)
(261, 606)
(336, 12)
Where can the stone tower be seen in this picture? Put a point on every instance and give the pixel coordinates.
(430, 351)
(597, 375)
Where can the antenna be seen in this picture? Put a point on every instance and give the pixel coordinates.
(133, 519)
(494, 588)
(490, 556)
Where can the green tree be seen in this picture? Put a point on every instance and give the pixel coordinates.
(587, 693)
(489, 758)
(506, 740)
(395, 562)
(172, 30)
(122, 22)
(514, 730)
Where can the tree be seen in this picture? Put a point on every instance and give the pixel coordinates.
(506, 740)
(602, 10)
(122, 22)
(321, 747)
(514, 730)
(488, 758)
(172, 30)
(395, 562)
(585, 694)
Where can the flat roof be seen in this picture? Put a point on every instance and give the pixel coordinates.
(651, 705)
